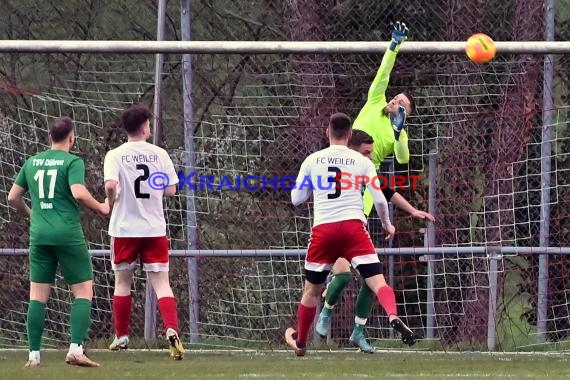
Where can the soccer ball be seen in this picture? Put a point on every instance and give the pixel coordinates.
(480, 48)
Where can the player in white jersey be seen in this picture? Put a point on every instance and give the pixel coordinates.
(137, 176)
(334, 176)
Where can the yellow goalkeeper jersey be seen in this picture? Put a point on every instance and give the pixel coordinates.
(372, 120)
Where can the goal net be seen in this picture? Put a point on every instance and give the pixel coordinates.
(261, 116)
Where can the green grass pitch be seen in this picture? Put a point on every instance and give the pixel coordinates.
(284, 365)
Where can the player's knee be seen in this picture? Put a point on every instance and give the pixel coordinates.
(311, 294)
(123, 282)
(341, 266)
(39, 292)
(83, 290)
(122, 289)
(316, 278)
(160, 284)
(369, 270)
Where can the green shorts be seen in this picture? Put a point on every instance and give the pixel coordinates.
(74, 260)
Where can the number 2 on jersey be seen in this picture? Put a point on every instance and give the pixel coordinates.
(39, 177)
(144, 177)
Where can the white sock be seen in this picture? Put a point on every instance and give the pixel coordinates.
(76, 349)
(360, 321)
(34, 355)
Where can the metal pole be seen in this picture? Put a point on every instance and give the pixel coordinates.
(151, 301)
(158, 69)
(191, 221)
(391, 169)
(391, 241)
(545, 175)
(430, 242)
(405, 251)
(494, 256)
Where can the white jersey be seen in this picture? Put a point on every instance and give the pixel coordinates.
(141, 169)
(335, 176)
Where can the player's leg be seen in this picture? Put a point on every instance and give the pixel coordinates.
(364, 304)
(77, 271)
(168, 310)
(321, 255)
(155, 262)
(363, 257)
(341, 278)
(124, 254)
(122, 308)
(43, 265)
(306, 311)
(387, 299)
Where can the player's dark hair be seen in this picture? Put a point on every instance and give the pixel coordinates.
(134, 117)
(60, 129)
(358, 138)
(412, 101)
(340, 125)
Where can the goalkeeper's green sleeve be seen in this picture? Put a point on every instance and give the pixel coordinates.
(377, 90)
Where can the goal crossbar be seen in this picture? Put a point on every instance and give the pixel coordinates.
(270, 47)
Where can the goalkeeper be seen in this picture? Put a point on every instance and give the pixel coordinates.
(384, 123)
(383, 120)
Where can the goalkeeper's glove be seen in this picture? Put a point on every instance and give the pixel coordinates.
(399, 34)
(398, 121)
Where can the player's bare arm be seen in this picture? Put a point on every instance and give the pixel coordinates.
(401, 202)
(111, 190)
(16, 199)
(83, 195)
(380, 201)
(382, 208)
(170, 191)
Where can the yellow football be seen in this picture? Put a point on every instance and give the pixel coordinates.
(480, 48)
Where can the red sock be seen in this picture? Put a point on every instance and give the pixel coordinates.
(167, 308)
(387, 299)
(305, 317)
(122, 314)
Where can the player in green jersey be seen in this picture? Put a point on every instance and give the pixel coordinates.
(55, 180)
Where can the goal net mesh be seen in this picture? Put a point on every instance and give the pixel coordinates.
(261, 115)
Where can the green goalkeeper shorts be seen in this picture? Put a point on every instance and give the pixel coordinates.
(74, 261)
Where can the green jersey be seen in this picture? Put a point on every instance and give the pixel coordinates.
(48, 177)
(373, 121)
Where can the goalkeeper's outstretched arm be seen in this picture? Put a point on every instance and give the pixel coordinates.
(377, 90)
